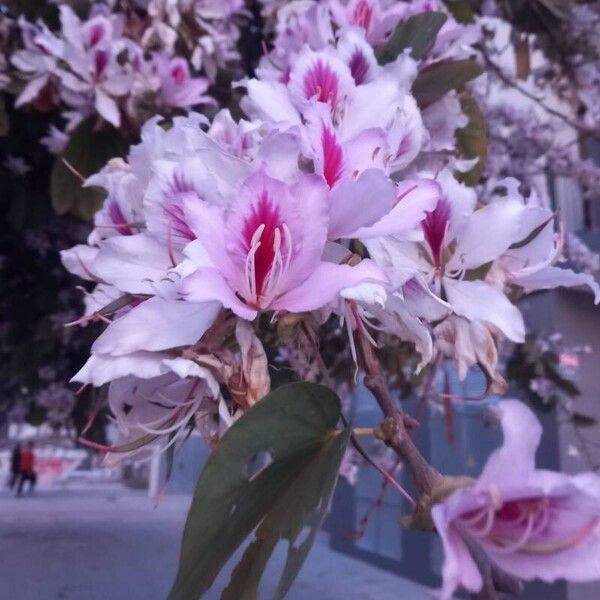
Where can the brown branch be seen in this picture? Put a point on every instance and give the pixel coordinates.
(582, 129)
(388, 478)
(396, 424)
(495, 580)
(427, 480)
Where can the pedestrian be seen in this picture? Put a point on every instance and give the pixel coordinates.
(27, 468)
(15, 466)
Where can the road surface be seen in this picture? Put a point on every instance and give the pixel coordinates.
(105, 542)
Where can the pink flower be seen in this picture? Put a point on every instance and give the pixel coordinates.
(139, 338)
(529, 523)
(263, 251)
(149, 413)
(37, 60)
(121, 213)
(92, 74)
(178, 87)
(240, 139)
(377, 21)
(55, 140)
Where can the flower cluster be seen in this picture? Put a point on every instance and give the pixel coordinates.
(206, 226)
(207, 29)
(103, 66)
(555, 78)
(338, 202)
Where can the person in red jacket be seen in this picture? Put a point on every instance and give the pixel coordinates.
(27, 469)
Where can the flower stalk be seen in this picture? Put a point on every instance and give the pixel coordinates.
(396, 425)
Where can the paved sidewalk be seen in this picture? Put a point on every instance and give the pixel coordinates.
(108, 543)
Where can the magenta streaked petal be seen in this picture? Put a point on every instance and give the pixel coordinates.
(118, 219)
(96, 34)
(359, 55)
(362, 15)
(96, 31)
(359, 66)
(179, 72)
(178, 228)
(322, 83)
(264, 214)
(100, 62)
(333, 156)
(435, 226)
(319, 77)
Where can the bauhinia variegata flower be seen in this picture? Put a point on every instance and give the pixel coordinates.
(329, 227)
(530, 523)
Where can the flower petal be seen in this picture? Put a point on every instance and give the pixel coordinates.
(107, 108)
(157, 324)
(325, 283)
(415, 198)
(459, 567)
(514, 461)
(100, 369)
(552, 277)
(356, 204)
(270, 101)
(478, 301)
(207, 284)
(133, 263)
(487, 233)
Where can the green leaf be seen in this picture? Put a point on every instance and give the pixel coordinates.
(42, 9)
(4, 120)
(479, 272)
(295, 424)
(303, 505)
(471, 140)
(581, 420)
(418, 33)
(561, 9)
(531, 236)
(461, 10)
(436, 80)
(87, 152)
(30, 9)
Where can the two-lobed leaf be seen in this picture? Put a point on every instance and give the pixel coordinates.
(296, 425)
(298, 514)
